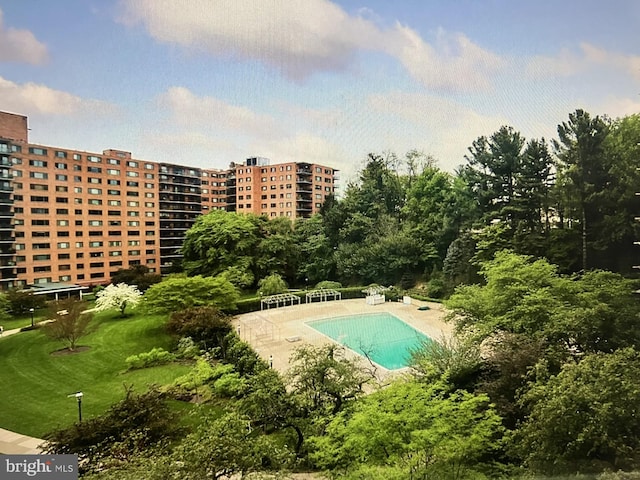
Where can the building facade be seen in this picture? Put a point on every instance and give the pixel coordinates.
(74, 216)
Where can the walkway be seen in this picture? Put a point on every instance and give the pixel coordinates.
(12, 443)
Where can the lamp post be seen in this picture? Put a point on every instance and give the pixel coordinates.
(78, 396)
(31, 311)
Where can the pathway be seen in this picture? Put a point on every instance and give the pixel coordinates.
(12, 443)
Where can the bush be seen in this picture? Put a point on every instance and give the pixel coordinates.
(248, 305)
(20, 301)
(205, 325)
(135, 423)
(187, 348)
(329, 285)
(240, 354)
(272, 285)
(230, 385)
(155, 356)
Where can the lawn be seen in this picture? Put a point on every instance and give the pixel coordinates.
(35, 383)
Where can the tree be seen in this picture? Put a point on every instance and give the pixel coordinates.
(594, 312)
(423, 429)
(5, 307)
(324, 379)
(586, 418)
(222, 240)
(137, 275)
(118, 296)
(134, 424)
(272, 285)
(583, 172)
(223, 447)
(70, 321)
(206, 325)
(179, 292)
(22, 301)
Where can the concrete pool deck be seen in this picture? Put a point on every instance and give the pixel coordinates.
(278, 331)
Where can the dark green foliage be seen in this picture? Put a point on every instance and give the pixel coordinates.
(136, 423)
(586, 418)
(21, 301)
(137, 275)
(329, 285)
(207, 326)
(179, 292)
(240, 354)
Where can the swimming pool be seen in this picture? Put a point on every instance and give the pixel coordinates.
(386, 339)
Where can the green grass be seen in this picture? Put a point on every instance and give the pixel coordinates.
(35, 384)
(23, 320)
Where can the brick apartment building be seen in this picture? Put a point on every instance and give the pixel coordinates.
(78, 217)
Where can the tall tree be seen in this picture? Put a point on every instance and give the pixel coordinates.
(70, 321)
(583, 172)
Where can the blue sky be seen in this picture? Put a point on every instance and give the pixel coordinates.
(208, 82)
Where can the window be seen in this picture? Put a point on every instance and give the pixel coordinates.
(113, 161)
(39, 234)
(95, 201)
(132, 174)
(61, 178)
(113, 192)
(40, 211)
(96, 264)
(115, 264)
(41, 246)
(132, 164)
(94, 159)
(95, 191)
(133, 204)
(37, 163)
(115, 253)
(148, 185)
(133, 243)
(133, 194)
(60, 154)
(95, 212)
(44, 268)
(133, 223)
(63, 256)
(114, 203)
(116, 243)
(134, 253)
(79, 244)
(37, 186)
(148, 175)
(149, 205)
(62, 200)
(112, 171)
(62, 211)
(62, 223)
(132, 184)
(37, 151)
(96, 254)
(149, 214)
(97, 275)
(96, 233)
(133, 213)
(37, 258)
(114, 213)
(39, 175)
(95, 223)
(77, 156)
(39, 222)
(94, 180)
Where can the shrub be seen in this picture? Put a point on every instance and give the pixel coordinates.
(20, 301)
(272, 285)
(187, 348)
(329, 284)
(230, 385)
(133, 424)
(155, 356)
(244, 359)
(205, 325)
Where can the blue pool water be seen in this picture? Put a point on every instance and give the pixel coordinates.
(387, 340)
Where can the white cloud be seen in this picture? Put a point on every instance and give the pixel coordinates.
(213, 114)
(33, 99)
(588, 57)
(439, 126)
(303, 37)
(20, 46)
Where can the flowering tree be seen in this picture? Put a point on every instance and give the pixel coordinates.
(118, 296)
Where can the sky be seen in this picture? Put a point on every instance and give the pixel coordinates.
(209, 82)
